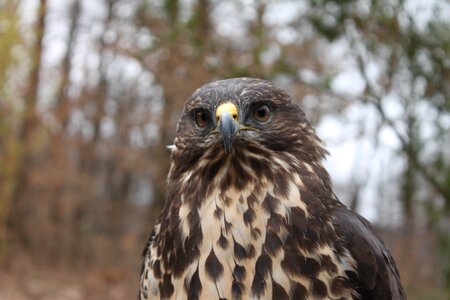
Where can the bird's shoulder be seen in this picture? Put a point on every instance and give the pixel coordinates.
(378, 277)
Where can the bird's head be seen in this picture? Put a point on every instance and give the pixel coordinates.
(225, 118)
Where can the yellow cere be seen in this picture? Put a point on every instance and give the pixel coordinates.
(227, 107)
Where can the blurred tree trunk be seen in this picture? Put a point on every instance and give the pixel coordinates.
(409, 188)
(158, 152)
(259, 32)
(8, 143)
(21, 207)
(60, 158)
(91, 161)
(62, 106)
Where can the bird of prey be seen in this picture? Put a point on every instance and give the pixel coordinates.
(250, 212)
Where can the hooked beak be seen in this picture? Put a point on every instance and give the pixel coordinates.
(227, 115)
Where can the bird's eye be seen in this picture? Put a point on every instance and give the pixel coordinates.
(201, 118)
(262, 113)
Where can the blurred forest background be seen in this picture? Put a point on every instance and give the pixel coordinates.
(90, 93)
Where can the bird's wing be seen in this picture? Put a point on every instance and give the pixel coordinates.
(146, 251)
(378, 277)
(148, 284)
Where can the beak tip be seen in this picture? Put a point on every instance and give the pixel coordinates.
(227, 128)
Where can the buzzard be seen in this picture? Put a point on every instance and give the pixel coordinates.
(250, 212)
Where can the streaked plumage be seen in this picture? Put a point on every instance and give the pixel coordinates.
(250, 212)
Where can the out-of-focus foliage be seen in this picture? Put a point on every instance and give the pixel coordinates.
(90, 93)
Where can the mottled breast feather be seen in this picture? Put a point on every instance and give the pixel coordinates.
(258, 220)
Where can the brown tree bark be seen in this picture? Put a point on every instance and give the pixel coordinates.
(9, 39)
(21, 206)
(62, 107)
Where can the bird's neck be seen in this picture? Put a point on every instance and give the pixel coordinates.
(236, 196)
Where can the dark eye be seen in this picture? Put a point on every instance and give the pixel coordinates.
(262, 113)
(201, 118)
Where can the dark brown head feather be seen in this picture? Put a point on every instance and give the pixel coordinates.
(287, 131)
